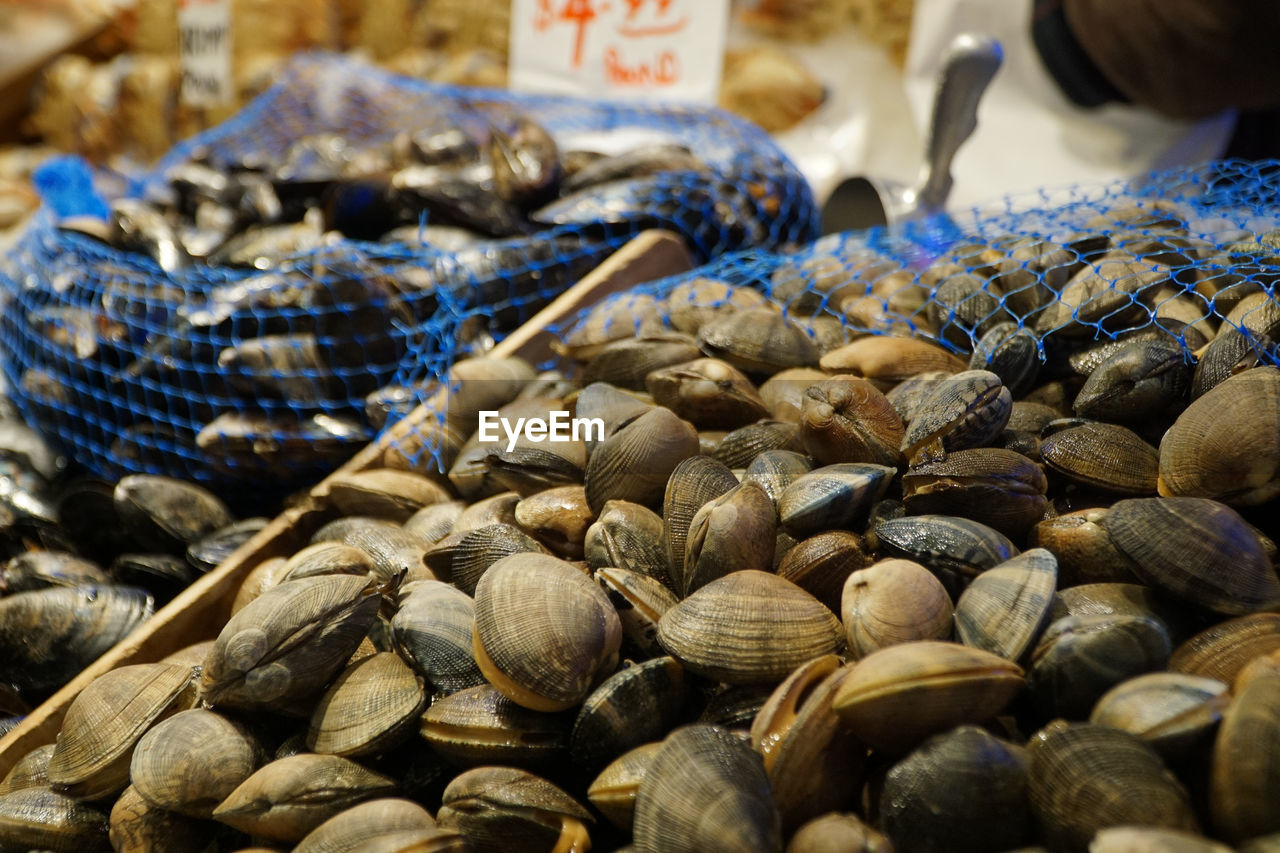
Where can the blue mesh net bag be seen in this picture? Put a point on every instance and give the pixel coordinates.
(1121, 302)
(330, 241)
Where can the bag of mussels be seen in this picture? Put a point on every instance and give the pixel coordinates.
(227, 315)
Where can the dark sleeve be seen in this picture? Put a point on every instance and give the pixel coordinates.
(1183, 58)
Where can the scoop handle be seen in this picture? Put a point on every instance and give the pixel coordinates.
(971, 62)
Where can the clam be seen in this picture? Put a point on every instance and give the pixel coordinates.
(838, 832)
(967, 410)
(371, 706)
(1221, 651)
(495, 509)
(847, 419)
(29, 771)
(965, 307)
(733, 532)
(997, 487)
(783, 392)
(833, 496)
(614, 791)
(1085, 778)
(886, 361)
(893, 601)
(432, 631)
(900, 695)
(1245, 776)
(136, 826)
(636, 462)
(694, 481)
(628, 536)
(706, 790)
(748, 627)
(1198, 549)
(434, 521)
(1011, 352)
(776, 469)
(1104, 295)
(396, 554)
(1226, 444)
(167, 515)
(558, 518)
(192, 761)
(1171, 711)
(1145, 839)
(40, 819)
(640, 601)
(332, 558)
(1104, 456)
(290, 797)
(635, 705)
(380, 493)
(543, 631)
(814, 763)
(463, 558)
(965, 790)
(906, 396)
(104, 723)
(1084, 551)
(289, 642)
(1079, 658)
(709, 393)
(739, 447)
(1004, 609)
(479, 725)
(47, 636)
(38, 569)
(357, 828)
(628, 363)
(506, 810)
(758, 340)
(954, 549)
(822, 563)
(697, 301)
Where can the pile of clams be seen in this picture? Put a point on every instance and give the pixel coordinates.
(84, 562)
(803, 590)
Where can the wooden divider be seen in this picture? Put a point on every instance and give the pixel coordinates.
(200, 611)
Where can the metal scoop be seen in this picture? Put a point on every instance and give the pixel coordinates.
(863, 202)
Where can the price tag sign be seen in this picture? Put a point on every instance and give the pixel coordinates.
(204, 51)
(619, 49)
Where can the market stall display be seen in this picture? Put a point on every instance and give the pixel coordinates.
(854, 501)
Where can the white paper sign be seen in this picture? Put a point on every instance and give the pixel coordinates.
(619, 49)
(204, 50)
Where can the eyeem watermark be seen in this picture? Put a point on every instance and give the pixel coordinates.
(558, 426)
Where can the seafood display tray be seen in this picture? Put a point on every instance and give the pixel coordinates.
(200, 611)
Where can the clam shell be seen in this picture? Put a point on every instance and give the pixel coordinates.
(1245, 778)
(814, 763)
(847, 419)
(39, 819)
(1085, 778)
(543, 631)
(1198, 549)
(331, 558)
(900, 695)
(289, 642)
(640, 601)
(481, 726)
(29, 771)
(380, 493)
(732, 532)
(166, 515)
(558, 518)
(628, 536)
(694, 481)
(954, 549)
(748, 627)
(967, 410)
(434, 521)
(1105, 456)
(614, 791)
(636, 462)
(635, 705)
(104, 723)
(1169, 710)
(1226, 444)
(890, 360)
(506, 809)
(833, 496)
(776, 469)
(838, 833)
(1222, 651)
(372, 706)
(136, 826)
(192, 761)
(741, 446)
(1004, 609)
(1145, 839)
(965, 790)
(758, 340)
(893, 601)
(997, 487)
(350, 831)
(706, 790)
(290, 797)
(462, 558)
(822, 564)
(432, 631)
(709, 393)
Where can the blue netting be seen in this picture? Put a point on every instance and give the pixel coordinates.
(234, 373)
